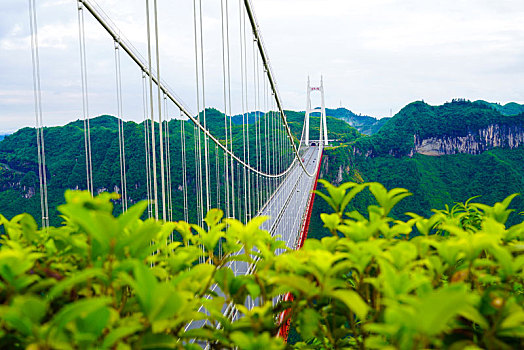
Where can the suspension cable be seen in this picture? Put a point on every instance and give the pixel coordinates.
(242, 33)
(184, 168)
(42, 176)
(267, 66)
(217, 166)
(231, 158)
(266, 137)
(147, 147)
(199, 150)
(159, 102)
(206, 139)
(151, 111)
(85, 99)
(121, 140)
(226, 161)
(248, 197)
(257, 130)
(144, 66)
(167, 144)
(260, 121)
(198, 175)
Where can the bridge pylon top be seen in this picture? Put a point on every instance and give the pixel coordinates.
(323, 123)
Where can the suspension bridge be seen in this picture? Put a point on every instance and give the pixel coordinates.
(245, 160)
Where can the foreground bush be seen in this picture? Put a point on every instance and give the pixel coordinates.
(120, 283)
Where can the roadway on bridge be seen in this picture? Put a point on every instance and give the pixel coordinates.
(286, 211)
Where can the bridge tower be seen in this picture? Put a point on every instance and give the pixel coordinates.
(323, 124)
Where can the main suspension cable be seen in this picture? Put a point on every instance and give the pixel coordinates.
(136, 58)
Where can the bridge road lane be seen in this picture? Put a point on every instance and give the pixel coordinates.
(287, 207)
(286, 210)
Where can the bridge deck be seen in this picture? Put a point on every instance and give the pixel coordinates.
(286, 209)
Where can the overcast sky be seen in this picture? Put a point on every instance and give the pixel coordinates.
(375, 55)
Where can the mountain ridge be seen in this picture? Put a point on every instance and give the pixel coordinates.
(435, 181)
(455, 127)
(364, 124)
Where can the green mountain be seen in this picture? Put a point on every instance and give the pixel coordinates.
(364, 124)
(455, 127)
(511, 108)
(337, 129)
(65, 159)
(442, 154)
(250, 118)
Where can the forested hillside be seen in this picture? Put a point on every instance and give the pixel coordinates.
(365, 124)
(419, 121)
(475, 150)
(491, 165)
(65, 158)
(510, 108)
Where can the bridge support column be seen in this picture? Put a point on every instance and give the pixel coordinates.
(323, 117)
(323, 124)
(308, 108)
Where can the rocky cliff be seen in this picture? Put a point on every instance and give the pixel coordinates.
(504, 136)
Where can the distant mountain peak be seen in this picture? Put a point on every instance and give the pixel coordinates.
(363, 123)
(459, 126)
(510, 108)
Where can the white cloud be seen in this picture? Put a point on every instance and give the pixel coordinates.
(374, 55)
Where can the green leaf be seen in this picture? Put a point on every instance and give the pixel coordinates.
(79, 278)
(387, 200)
(309, 322)
(353, 301)
(131, 215)
(223, 277)
(24, 314)
(499, 211)
(78, 309)
(144, 286)
(94, 322)
(158, 341)
(120, 333)
(514, 320)
(331, 221)
(436, 309)
(213, 217)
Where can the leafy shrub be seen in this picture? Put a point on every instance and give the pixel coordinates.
(103, 282)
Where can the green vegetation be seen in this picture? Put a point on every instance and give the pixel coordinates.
(511, 108)
(434, 181)
(337, 129)
(456, 118)
(65, 159)
(363, 123)
(120, 283)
